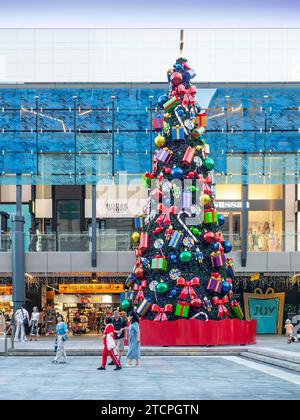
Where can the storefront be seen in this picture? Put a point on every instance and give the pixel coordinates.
(6, 303)
(85, 305)
(266, 215)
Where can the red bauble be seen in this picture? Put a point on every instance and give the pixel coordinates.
(190, 175)
(167, 170)
(196, 303)
(176, 78)
(209, 237)
(181, 89)
(156, 194)
(139, 272)
(157, 230)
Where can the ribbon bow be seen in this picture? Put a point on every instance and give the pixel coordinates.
(216, 276)
(220, 303)
(189, 96)
(161, 312)
(139, 289)
(187, 287)
(164, 218)
(207, 180)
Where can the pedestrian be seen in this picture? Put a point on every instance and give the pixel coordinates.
(21, 323)
(289, 331)
(98, 323)
(34, 323)
(61, 338)
(120, 325)
(134, 350)
(109, 348)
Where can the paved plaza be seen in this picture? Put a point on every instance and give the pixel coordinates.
(167, 378)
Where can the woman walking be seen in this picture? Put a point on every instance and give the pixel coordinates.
(34, 323)
(61, 338)
(134, 350)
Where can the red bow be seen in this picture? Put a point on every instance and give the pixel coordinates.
(165, 216)
(187, 287)
(220, 303)
(207, 180)
(189, 96)
(161, 312)
(139, 290)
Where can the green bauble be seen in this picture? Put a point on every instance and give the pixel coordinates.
(195, 231)
(162, 287)
(209, 163)
(125, 305)
(185, 256)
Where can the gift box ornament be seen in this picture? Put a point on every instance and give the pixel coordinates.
(188, 156)
(178, 133)
(205, 151)
(159, 263)
(210, 216)
(237, 310)
(144, 241)
(230, 267)
(201, 120)
(217, 259)
(198, 132)
(144, 307)
(214, 284)
(164, 155)
(129, 281)
(139, 222)
(182, 309)
(158, 124)
(171, 103)
(176, 239)
(187, 197)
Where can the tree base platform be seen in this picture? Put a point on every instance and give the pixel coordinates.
(192, 332)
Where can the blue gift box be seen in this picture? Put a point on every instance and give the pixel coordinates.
(178, 133)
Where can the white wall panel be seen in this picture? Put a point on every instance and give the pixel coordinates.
(138, 55)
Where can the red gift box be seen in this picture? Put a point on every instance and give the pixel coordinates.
(158, 124)
(144, 241)
(188, 156)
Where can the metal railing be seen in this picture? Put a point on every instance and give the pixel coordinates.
(108, 241)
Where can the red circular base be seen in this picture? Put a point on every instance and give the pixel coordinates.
(193, 332)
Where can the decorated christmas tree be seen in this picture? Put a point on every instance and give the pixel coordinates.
(181, 269)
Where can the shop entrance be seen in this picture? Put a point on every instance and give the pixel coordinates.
(232, 228)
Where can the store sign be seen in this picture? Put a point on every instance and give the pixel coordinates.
(78, 289)
(5, 290)
(230, 204)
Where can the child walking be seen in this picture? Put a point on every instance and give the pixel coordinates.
(109, 345)
(289, 330)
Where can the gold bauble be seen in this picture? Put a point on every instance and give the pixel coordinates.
(205, 199)
(135, 237)
(159, 141)
(198, 148)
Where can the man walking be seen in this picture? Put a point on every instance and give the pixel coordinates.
(120, 325)
(21, 322)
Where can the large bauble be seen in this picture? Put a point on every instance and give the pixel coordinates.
(226, 287)
(227, 246)
(135, 237)
(162, 287)
(205, 200)
(125, 305)
(176, 78)
(139, 272)
(185, 257)
(209, 237)
(177, 173)
(161, 100)
(221, 219)
(196, 303)
(209, 164)
(159, 141)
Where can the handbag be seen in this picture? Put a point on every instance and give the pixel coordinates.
(25, 320)
(111, 344)
(65, 337)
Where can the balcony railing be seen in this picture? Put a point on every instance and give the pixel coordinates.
(107, 241)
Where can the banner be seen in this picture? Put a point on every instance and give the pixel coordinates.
(266, 308)
(78, 289)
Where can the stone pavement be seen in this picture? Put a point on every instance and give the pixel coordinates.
(160, 377)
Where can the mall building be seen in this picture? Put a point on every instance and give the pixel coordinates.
(76, 110)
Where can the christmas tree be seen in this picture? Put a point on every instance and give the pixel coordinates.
(181, 269)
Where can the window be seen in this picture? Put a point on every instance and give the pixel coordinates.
(265, 192)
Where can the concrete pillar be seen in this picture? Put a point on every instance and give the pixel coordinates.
(290, 218)
(18, 265)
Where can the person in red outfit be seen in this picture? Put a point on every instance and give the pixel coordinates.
(109, 330)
